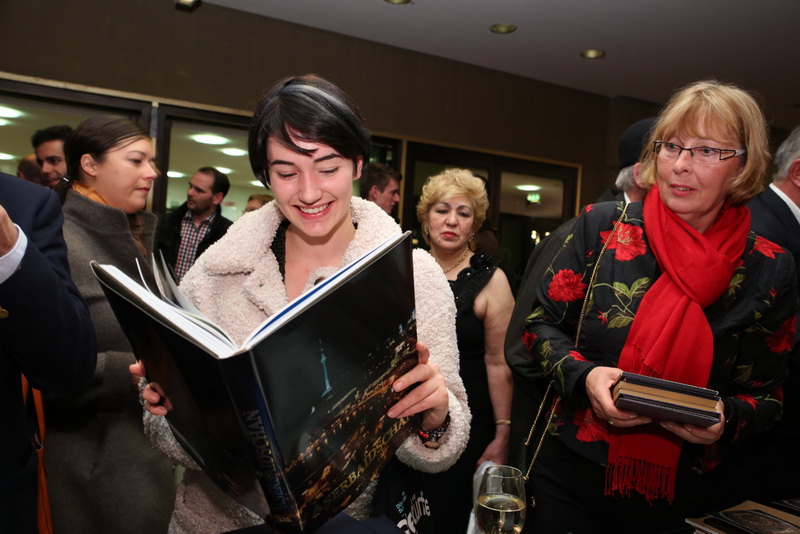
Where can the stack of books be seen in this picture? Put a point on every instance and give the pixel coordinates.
(664, 400)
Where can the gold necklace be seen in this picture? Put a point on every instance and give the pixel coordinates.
(456, 264)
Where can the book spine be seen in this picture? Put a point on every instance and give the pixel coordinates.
(245, 391)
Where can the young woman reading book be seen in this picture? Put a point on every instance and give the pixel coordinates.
(308, 143)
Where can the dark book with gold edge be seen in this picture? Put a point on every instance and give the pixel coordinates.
(666, 400)
(748, 517)
(292, 422)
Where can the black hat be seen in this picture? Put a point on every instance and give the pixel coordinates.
(632, 141)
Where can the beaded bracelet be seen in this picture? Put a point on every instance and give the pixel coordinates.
(430, 438)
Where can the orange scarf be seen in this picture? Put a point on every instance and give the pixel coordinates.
(670, 337)
(88, 192)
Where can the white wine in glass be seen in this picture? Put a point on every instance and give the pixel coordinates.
(501, 501)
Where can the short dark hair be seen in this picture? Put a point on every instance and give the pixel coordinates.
(96, 136)
(30, 170)
(221, 183)
(53, 133)
(378, 174)
(312, 109)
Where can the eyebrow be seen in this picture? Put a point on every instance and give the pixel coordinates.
(321, 159)
(457, 206)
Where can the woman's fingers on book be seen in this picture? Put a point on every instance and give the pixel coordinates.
(695, 434)
(152, 401)
(137, 369)
(430, 394)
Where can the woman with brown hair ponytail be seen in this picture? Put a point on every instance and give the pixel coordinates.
(95, 436)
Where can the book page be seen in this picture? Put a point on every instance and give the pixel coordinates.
(311, 296)
(195, 327)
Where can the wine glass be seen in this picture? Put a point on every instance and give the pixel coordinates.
(501, 501)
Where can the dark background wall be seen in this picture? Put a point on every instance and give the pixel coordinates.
(221, 57)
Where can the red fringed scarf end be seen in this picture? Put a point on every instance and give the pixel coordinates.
(633, 474)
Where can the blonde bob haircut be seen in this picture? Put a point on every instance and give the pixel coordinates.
(453, 183)
(710, 109)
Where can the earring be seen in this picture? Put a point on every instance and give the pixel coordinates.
(425, 230)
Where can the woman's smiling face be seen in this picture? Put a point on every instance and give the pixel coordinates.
(312, 191)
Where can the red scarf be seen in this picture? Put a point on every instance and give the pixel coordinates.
(670, 337)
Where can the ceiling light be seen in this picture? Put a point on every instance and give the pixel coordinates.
(9, 113)
(209, 139)
(234, 152)
(175, 174)
(5, 157)
(529, 187)
(224, 170)
(397, 2)
(503, 28)
(187, 5)
(593, 53)
(4, 122)
(256, 183)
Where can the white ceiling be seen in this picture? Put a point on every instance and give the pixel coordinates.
(652, 47)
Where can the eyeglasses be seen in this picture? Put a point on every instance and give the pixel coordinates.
(705, 155)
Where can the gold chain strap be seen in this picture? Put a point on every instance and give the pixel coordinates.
(557, 399)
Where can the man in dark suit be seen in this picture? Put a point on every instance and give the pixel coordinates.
(46, 334)
(769, 465)
(776, 210)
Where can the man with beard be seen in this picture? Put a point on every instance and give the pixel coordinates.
(197, 223)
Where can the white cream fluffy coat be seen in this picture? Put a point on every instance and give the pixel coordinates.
(237, 284)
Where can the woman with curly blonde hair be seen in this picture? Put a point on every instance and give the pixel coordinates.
(452, 208)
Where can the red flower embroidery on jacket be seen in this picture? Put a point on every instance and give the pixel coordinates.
(566, 286)
(627, 241)
(781, 339)
(577, 356)
(589, 427)
(749, 399)
(529, 338)
(767, 247)
(588, 208)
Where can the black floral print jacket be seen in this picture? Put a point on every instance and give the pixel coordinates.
(753, 325)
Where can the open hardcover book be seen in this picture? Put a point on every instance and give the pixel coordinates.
(666, 400)
(291, 423)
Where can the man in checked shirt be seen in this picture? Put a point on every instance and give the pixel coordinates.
(197, 223)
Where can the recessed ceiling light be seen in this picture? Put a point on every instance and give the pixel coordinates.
(209, 139)
(224, 170)
(9, 113)
(4, 156)
(503, 28)
(234, 151)
(529, 187)
(187, 5)
(397, 2)
(593, 53)
(175, 174)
